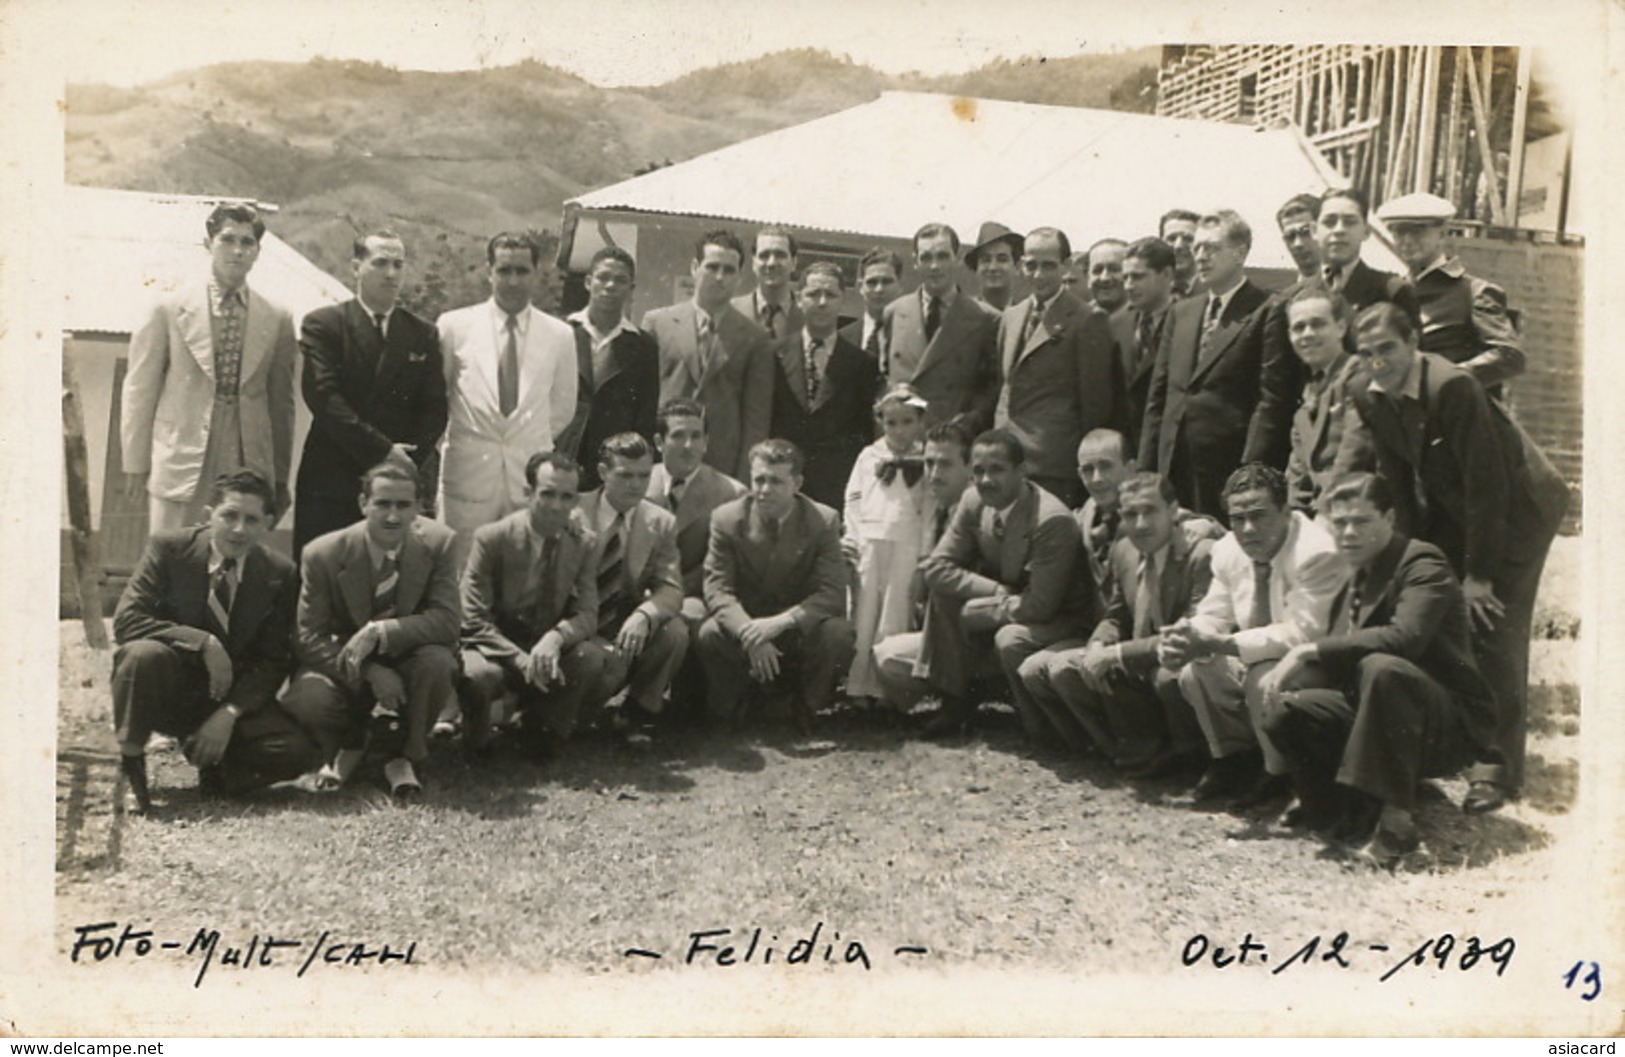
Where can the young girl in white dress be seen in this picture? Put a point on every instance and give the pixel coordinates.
(886, 518)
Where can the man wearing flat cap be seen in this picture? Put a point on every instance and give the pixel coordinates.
(1464, 318)
(994, 259)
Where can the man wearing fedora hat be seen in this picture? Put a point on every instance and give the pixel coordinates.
(1465, 319)
(994, 259)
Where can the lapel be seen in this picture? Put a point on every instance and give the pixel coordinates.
(1363, 287)
(1402, 421)
(1145, 359)
(697, 497)
(1232, 321)
(639, 542)
(192, 581)
(258, 335)
(760, 553)
(792, 357)
(1327, 403)
(565, 567)
(953, 318)
(1018, 530)
(838, 356)
(1171, 586)
(249, 603)
(614, 363)
(530, 370)
(1376, 598)
(355, 576)
(483, 333)
(197, 328)
(730, 334)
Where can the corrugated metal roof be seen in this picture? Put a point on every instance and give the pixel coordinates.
(910, 158)
(128, 247)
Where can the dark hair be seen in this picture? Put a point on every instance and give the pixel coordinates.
(613, 253)
(1353, 194)
(1352, 487)
(1002, 438)
(1253, 476)
(358, 247)
(951, 433)
(1052, 233)
(389, 471)
(933, 230)
(1146, 481)
(629, 446)
(513, 240)
(1386, 314)
(1304, 203)
(1157, 254)
(1232, 228)
(1106, 242)
(783, 233)
(721, 237)
(1319, 291)
(776, 451)
(244, 482)
(238, 212)
(881, 255)
(1106, 433)
(1177, 214)
(681, 407)
(556, 459)
(824, 268)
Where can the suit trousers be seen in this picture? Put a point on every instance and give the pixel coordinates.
(562, 708)
(159, 688)
(810, 665)
(645, 676)
(338, 718)
(1139, 714)
(1014, 643)
(1503, 658)
(1224, 694)
(1396, 725)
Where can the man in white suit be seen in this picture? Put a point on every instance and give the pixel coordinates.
(511, 383)
(209, 389)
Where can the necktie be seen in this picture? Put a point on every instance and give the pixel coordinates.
(1144, 339)
(813, 380)
(1210, 323)
(378, 324)
(675, 496)
(913, 470)
(1103, 535)
(933, 316)
(770, 317)
(1354, 604)
(546, 585)
(707, 341)
(1034, 315)
(221, 593)
(1259, 615)
(998, 525)
(611, 563)
(872, 346)
(508, 370)
(1147, 600)
(1334, 276)
(772, 526)
(386, 578)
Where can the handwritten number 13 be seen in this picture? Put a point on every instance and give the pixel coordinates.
(1592, 976)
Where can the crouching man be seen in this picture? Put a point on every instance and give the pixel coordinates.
(376, 633)
(204, 631)
(1407, 702)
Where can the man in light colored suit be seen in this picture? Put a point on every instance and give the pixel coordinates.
(640, 590)
(772, 305)
(511, 377)
(376, 633)
(1205, 382)
(1061, 376)
(1274, 576)
(941, 340)
(530, 613)
(712, 353)
(775, 584)
(210, 383)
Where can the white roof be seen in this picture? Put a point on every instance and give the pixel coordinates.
(910, 158)
(128, 247)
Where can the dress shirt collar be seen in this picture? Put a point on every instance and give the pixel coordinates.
(760, 303)
(824, 350)
(1412, 386)
(1159, 557)
(1450, 266)
(600, 339)
(1041, 307)
(605, 519)
(377, 554)
(216, 560)
(499, 318)
(871, 327)
(947, 299)
(1223, 300)
(374, 313)
(220, 298)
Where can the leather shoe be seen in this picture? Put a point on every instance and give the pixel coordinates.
(951, 721)
(1483, 797)
(1268, 787)
(402, 779)
(1386, 847)
(1225, 777)
(134, 769)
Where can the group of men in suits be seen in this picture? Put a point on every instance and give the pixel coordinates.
(557, 582)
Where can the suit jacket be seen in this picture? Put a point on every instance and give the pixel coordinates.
(1040, 561)
(1282, 375)
(853, 332)
(736, 387)
(365, 395)
(167, 599)
(1318, 428)
(833, 429)
(169, 390)
(1184, 580)
(1135, 367)
(707, 490)
(483, 455)
(1465, 319)
(624, 400)
(747, 575)
(790, 324)
(1458, 465)
(1204, 401)
(1304, 576)
(649, 569)
(335, 600)
(1064, 381)
(504, 613)
(1411, 606)
(958, 370)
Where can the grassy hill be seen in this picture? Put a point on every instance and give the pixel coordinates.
(448, 158)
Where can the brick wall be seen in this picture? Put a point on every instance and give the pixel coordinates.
(1545, 283)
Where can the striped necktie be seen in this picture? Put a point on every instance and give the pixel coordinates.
(221, 593)
(611, 577)
(385, 579)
